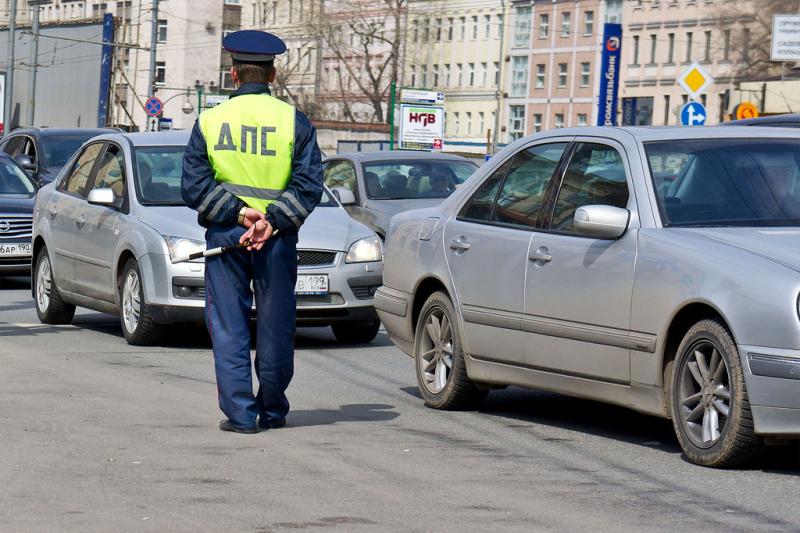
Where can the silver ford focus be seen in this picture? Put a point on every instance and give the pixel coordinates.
(107, 229)
(657, 269)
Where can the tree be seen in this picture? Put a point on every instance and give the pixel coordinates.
(293, 72)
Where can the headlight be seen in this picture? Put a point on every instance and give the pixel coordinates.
(365, 250)
(181, 247)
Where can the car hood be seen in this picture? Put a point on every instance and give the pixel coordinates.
(16, 204)
(327, 228)
(781, 245)
(392, 207)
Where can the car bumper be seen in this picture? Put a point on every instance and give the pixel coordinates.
(176, 293)
(15, 266)
(393, 307)
(773, 389)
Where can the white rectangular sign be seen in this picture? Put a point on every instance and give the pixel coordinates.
(421, 96)
(421, 127)
(785, 38)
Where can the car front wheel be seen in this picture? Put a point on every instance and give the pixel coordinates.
(710, 409)
(439, 359)
(137, 321)
(50, 308)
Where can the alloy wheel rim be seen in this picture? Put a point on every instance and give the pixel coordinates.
(704, 394)
(44, 284)
(436, 351)
(131, 301)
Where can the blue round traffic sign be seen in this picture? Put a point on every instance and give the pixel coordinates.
(693, 114)
(153, 107)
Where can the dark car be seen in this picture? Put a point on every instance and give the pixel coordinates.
(43, 151)
(17, 191)
(789, 120)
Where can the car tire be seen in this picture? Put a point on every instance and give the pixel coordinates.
(441, 370)
(708, 398)
(356, 332)
(50, 307)
(136, 320)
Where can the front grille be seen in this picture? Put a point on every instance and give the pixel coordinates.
(15, 227)
(315, 258)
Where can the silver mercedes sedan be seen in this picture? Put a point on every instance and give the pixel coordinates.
(106, 231)
(657, 269)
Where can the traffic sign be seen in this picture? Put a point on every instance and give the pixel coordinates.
(745, 110)
(693, 114)
(421, 96)
(153, 107)
(695, 80)
(785, 38)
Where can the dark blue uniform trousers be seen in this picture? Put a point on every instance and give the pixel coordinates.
(273, 271)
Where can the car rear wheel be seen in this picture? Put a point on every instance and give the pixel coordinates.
(50, 308)
(135, 316)
(439, 359)
(710, 409)
(356, 333)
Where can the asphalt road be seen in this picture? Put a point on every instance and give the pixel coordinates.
(101, 436)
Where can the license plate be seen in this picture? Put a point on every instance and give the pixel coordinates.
(311, 284)
(15, 249)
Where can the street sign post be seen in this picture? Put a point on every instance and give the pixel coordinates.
(693, 114)
(785, 38)
(153, 107)
(695, 80)
(421, 127)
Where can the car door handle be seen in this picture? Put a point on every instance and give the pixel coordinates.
(81, 221)
(460, 245)
(541, 255)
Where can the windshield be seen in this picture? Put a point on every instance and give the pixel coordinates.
(399, 180)
(58, 150)
(727, 182)
(13, 180)
(158, 176)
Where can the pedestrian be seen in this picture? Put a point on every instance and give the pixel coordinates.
(253, 172)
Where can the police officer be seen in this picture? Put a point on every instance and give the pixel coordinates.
(252, 171)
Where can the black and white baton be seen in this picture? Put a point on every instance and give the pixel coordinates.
(215, 251)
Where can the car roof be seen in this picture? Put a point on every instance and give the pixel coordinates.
(664, 133)
(165, 138)
(393, 155)
(787, 118)
(50, 132)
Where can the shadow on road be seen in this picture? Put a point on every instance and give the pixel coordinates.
(362, 412)
(15, 283)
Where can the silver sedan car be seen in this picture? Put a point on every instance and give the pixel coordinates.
(106, 231)
(657, 269)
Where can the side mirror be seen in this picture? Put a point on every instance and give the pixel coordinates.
(601, 221)
(25, 162)
(345, 196)
(103, 197)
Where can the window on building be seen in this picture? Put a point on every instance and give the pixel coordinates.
(537, 122)
(670, 49)
(413, 75)
(484, 74)
(487, 27)
(588, 23)
(459, 69)
(707, 53)
(562, 74)
(653, 44)
(435, 75)
(566, 24)
(522, 26)
(475, 28)
(161, 73)
(469, 122)
(414, 31)
(704, 99)
(462, 28)
(559, 120)
(746, 44)
(456, 123)
(540, 81)
(471, 74)
(635, 51)
(450, 29)
(226, 80)
(426, 30)
(423, 75)
(447, 75)
(585, 67)
(291, 10)
(544, 26)
(689, 47)
(162, 31)
(519, 76)
(481, 122)
(666, 110)
(726, 45)
(497, 74)
(582, 119)
(516, 122)
(499, 26)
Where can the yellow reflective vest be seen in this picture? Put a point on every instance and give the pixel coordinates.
(250, 143)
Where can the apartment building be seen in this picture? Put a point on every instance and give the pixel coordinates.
(455, 47)
(661, 39)
(554, 56)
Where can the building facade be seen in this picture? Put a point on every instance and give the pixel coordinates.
(661, 39)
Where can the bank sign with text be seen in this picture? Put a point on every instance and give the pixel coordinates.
(609, 75)
(421, 127)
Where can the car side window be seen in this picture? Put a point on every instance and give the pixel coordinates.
(111, 171)
(523, 192)
(30, 149)
(595, 176)
(15, 145)
(341, 174)
(479, 207)
(78, 177)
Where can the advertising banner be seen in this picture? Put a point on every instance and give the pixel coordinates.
(609, 74)
(785, 38)
(421, 127)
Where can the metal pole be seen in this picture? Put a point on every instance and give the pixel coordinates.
(35, 65)
(499, 92)
(392, 94)
(9, 100)
(151, 88)
(199, 100)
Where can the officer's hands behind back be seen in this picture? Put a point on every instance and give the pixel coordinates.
(258, 233)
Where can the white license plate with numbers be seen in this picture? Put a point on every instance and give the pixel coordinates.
(311, 284)
(15, 249)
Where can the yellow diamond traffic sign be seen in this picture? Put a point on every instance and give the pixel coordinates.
(694, 80)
